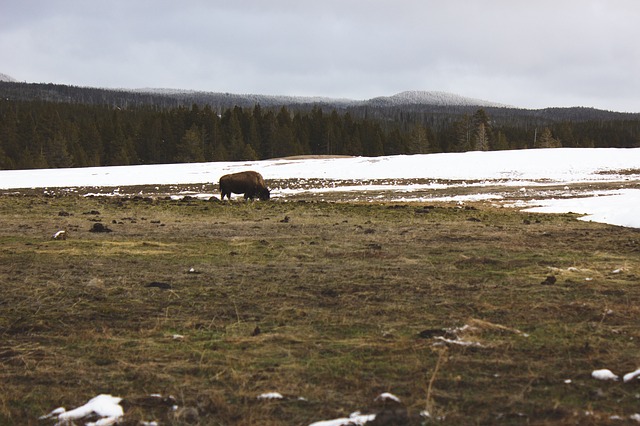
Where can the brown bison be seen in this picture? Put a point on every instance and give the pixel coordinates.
(250, 184)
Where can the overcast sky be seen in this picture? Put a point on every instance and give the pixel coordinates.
(525, 53)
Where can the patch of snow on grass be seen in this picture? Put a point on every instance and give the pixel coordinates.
(621, 208)
(105, 406)
(630, 376)
(355, 419)
(270, 395)
(604, 374)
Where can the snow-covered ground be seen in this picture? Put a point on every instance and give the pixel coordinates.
(542, 180)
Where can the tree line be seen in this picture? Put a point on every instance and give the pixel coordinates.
(41, 134)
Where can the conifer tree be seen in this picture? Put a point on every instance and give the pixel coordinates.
(546, 140)
(191, 146)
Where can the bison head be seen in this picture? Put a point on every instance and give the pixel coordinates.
(264, 194)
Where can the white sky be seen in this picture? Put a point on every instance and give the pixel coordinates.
(530, 54)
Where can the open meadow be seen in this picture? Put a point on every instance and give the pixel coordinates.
(191, 309)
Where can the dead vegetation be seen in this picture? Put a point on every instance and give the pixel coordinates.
(211, 304)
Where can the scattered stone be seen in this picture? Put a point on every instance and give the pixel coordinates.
(98, 227)
(187, 415)
(285, 220)
(92, 212)
(154, 400)
(550, 280)
(256, 331)
(63, 213)
(160, 285)
(329, 292)
(432, 332)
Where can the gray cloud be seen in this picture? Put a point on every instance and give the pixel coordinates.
(530, 54)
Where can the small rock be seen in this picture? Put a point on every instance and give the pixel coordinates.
(550, 280)
(98, 227)
(160, 285)
(432, 332)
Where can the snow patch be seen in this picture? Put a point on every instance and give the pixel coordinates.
(270, 395)
(604, 374)
(355, 419)
(630, 376)
(523, 169)
(105, 406)
(386, 396)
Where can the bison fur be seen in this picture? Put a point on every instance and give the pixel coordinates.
(249, 183)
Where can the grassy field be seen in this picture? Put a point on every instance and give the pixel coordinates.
(211, 304)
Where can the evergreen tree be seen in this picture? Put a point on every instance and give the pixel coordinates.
(463, 133)
(481, 138)
(317, 132)
(482, 133)
(501, 142)
(191, 146)
(418, 142)
(546, 140)
(57, 153)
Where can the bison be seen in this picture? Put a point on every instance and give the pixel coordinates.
(248, 183)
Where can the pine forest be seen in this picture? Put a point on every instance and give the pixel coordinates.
(37, 133)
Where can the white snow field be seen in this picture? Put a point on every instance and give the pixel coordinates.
(601, 183)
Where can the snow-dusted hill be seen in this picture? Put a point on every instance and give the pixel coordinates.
(414, 97)
(249, 99)
(4, 77)
(417, 97)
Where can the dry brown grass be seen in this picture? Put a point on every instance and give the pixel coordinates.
(343, 296)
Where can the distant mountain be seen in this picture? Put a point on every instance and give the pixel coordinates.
(179, 97)
(247, 99)
(431, 98)
(440, 106)
(4, 77)
(416, 97)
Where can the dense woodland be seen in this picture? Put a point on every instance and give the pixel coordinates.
(39, 132)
